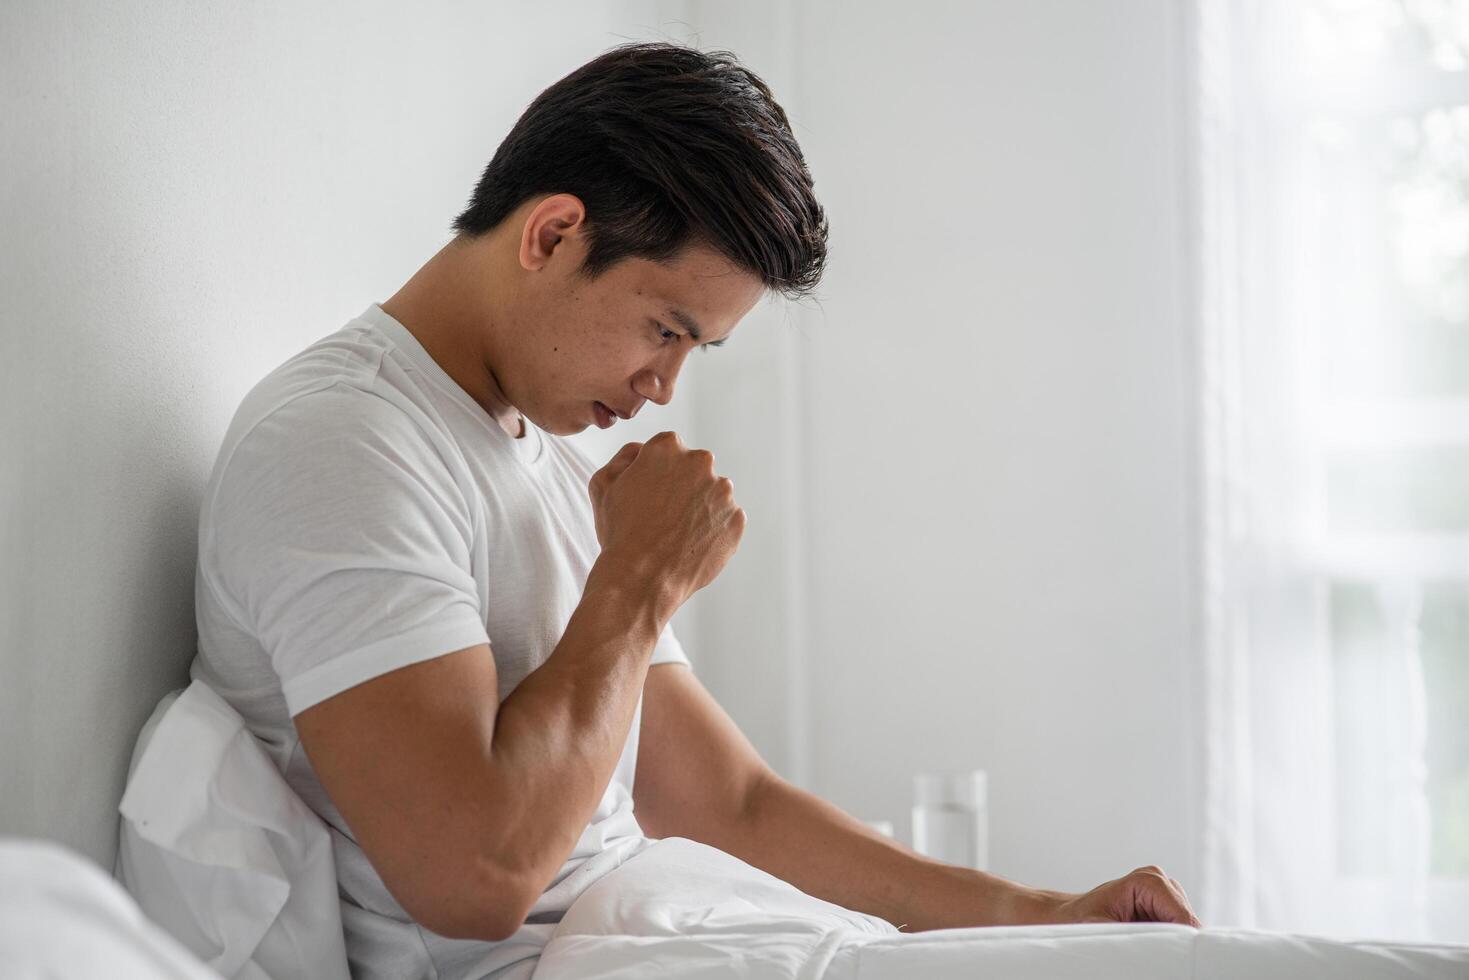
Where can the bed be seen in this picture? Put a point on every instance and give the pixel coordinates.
(225, 859)
(682, 909)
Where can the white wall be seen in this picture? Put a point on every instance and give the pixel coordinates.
(995, 422)
(192, 193)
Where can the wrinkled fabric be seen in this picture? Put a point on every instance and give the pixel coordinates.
(683, 909)
(219, 852)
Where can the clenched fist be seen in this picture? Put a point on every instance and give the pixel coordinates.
(1145, 895)
(664, 517)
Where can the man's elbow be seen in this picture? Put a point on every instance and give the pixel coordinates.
(486, 928)
(490, 926)
(488, 907)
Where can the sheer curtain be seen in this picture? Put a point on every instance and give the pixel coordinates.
(1332, 186)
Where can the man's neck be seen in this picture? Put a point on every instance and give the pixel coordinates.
(437, 306)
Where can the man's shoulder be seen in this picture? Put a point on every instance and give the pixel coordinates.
(329, 402)
(331, 457)
(342, 366)
(333, 386)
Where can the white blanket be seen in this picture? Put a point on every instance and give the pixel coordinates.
(682, 909)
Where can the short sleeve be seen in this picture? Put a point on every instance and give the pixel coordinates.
(668, 650)
(338, 537)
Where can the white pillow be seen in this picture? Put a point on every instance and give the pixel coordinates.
(62, 918)
(221, 853)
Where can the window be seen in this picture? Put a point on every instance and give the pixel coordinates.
(1333, 145)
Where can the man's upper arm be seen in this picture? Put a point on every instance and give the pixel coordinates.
(696, 770)
(405, 758)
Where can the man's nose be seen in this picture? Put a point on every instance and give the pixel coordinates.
(655, 387)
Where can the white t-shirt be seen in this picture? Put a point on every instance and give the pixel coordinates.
(365, 514)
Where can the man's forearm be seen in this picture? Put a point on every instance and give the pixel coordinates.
(559, 734)
(803, 839)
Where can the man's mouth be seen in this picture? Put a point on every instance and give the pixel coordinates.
(605, 415)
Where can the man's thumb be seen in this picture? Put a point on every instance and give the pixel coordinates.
(621, 460)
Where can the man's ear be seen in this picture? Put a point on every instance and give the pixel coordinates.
(553, 228)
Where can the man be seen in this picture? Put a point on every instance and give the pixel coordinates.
(452, 635)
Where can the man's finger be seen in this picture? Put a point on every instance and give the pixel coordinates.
(1165, 904)
(1193, 919)
(600, 480)
(622, 459)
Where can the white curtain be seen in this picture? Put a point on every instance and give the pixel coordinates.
(1314, 120)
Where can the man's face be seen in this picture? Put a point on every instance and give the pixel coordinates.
(619, 339)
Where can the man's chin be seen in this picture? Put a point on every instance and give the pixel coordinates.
(564, 428)
(567, 424)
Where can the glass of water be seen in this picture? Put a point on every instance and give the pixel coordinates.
(951, 817)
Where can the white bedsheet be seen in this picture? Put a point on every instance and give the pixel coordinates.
(682, 909)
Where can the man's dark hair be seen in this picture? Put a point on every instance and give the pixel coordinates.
(666, 146)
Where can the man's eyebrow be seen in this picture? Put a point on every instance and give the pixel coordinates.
(691, 325)
(685, 321)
